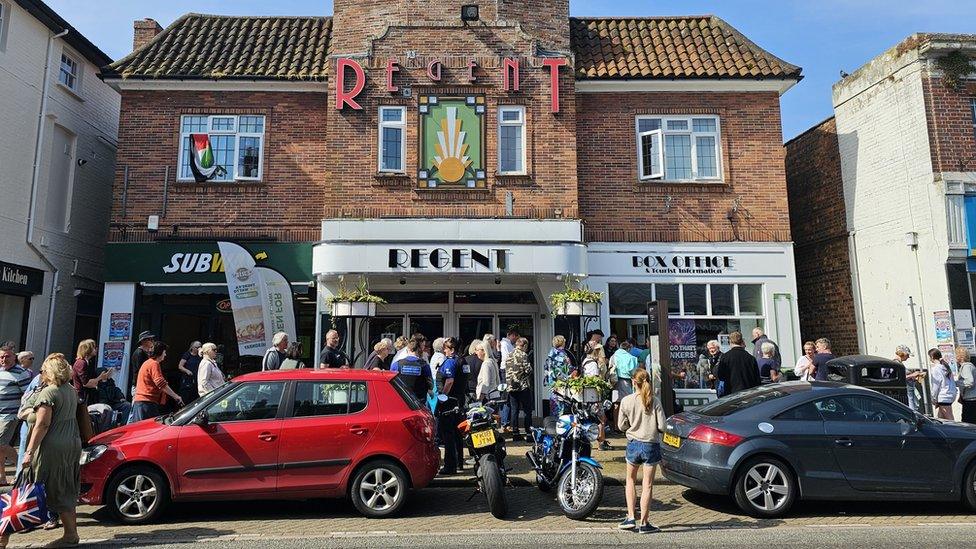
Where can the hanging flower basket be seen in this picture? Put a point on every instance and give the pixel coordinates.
(578, 308)
(575, 300)
(358, 303)
(359, 309)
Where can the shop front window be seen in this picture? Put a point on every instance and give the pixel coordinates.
(698, 314)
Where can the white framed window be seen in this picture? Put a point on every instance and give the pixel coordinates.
(679, 148)
(70, 73)
(392, 139)
(511, 140)
(725, 300)
(237, 142)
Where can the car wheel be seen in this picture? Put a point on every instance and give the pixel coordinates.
(969, 487)
(765, 488)
(379, 489)
(137, 495)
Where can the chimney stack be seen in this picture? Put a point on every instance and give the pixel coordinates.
(143, 31)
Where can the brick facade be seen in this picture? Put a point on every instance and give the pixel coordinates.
(749, 204)
(818, 219)
(581, 163)
(951, 124)
(290, 197)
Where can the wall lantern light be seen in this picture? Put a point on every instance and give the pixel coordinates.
(469, 12)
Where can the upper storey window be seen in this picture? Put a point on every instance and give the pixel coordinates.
(511, 140)
(678, 148)
(69, 74)
(221, 148)
(392, 139)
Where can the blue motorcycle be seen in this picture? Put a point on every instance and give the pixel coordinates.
(561, 457)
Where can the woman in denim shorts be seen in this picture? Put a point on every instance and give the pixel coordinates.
(642, 418)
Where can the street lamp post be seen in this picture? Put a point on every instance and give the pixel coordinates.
(922, 363)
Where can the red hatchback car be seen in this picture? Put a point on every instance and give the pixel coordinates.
(294, 434)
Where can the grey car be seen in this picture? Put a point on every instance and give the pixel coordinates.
(768, 446)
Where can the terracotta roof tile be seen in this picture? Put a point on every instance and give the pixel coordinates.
(216, 46)
(296, 48)
(670, 47)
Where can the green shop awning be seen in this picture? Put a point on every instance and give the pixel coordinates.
(199, 262)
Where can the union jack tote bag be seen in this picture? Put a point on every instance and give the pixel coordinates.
(24, 508)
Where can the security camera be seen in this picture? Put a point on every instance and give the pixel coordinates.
(82, 162)
(498, 280)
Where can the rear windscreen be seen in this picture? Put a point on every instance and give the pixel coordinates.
(741, 400)
(405, 393)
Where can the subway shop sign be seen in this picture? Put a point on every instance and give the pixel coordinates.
(200, 262)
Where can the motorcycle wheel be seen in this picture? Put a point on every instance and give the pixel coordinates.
(579, 501)
(493, 486)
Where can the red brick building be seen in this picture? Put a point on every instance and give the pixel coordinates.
(883, 203)
(818, 220)
(465, 165)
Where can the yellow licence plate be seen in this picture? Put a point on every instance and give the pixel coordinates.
(672, 440)
(483, 438)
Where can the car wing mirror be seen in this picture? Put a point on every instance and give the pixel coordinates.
(202, 419)
(919, 422)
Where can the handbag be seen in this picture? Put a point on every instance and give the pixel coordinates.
(24, 508)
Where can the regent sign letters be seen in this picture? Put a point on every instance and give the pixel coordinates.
(453, 259)
(684, 264)
(352, 70)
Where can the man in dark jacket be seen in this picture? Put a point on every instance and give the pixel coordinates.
(737, 368)
(758, 338)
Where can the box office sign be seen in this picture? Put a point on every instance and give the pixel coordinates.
(20, 280)
(690, 262)
(199, 262)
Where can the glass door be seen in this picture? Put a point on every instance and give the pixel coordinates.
(384, 326)
(471, 328)
(524, 325)
(432, 326)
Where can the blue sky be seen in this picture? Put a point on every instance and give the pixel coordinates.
(822, 36)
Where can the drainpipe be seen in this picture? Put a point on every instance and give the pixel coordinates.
(32, 215)
(856, 290)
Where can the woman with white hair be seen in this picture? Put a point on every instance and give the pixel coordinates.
(438, 357)
(26, 361)
(488, 376)
(768, 369)
(209, 376)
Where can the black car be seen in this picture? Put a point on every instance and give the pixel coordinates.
(770, 445)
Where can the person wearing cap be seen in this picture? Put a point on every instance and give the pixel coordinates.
(141, 354)
(913, 374)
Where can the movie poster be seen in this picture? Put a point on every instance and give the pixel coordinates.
(120, 326)
(684, 353)
(112, 354)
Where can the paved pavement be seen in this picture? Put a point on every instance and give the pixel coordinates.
(436, 515)
(444, 512)
(893, 538)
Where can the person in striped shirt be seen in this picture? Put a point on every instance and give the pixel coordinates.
(13, 380)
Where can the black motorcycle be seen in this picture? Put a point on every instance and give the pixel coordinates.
(561, 458)
(481, 437)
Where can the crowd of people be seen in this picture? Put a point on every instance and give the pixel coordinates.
(40, 407)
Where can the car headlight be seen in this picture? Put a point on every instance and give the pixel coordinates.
(92, 453)
(593, 432)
